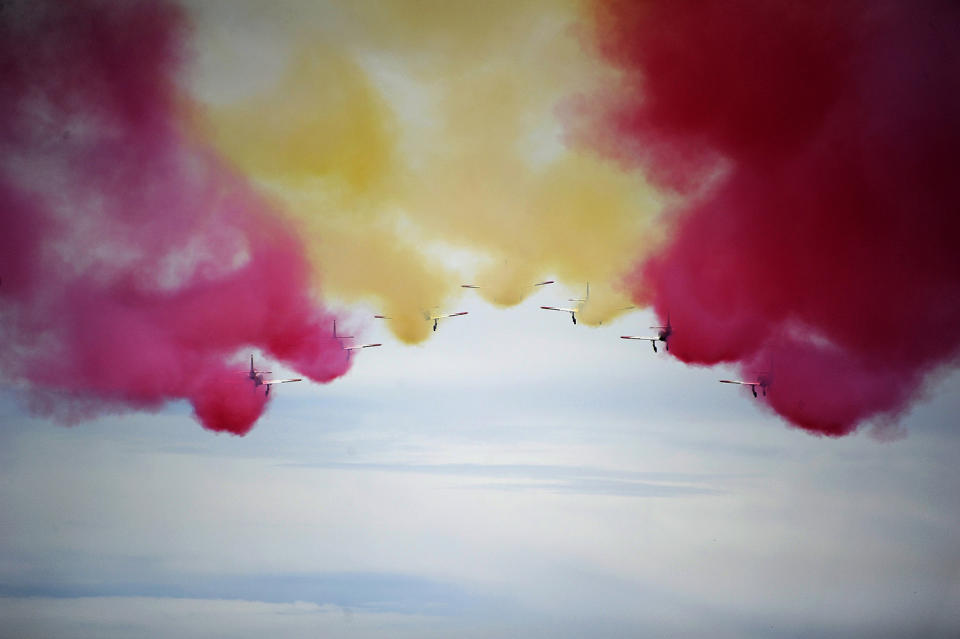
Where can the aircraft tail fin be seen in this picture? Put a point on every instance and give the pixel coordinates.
(336, 336)
(584, 299)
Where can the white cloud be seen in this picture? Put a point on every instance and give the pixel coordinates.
(153, 618)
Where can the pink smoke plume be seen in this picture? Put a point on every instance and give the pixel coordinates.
(133, 265)
(817, 144)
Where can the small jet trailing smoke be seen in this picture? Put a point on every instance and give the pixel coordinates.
(257, 377)
(135, 265)
(663, 335)
(814, 149)
(475, 286)
(573, 310)
(349, 349)
(431, 316)
(762, 381)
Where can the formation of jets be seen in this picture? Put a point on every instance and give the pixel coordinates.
(762, 381)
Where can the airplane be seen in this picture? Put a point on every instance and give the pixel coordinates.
(256, 376)
(349, 349)
(430, 317)
(763, 381)
(663, 335)
(573, 311)
(544, 283)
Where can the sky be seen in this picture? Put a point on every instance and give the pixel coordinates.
(187, 184)
(597, 490)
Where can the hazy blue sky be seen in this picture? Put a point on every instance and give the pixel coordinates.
(516, 475)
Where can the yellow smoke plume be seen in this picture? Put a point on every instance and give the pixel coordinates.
(398, 133)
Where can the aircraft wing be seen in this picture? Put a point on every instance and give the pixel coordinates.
(554, 308)
(436, 317)
(282, 381)
(649, 339)
(543, 283)
(359, 346)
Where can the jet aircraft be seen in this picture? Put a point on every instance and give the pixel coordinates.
(430, 317)
(763, 380)
(256, 376)
(574, 310)
(544, 283)
(349, 349)
(663, 335)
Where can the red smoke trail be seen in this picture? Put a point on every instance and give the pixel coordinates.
(817, 142)
(133, 264)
